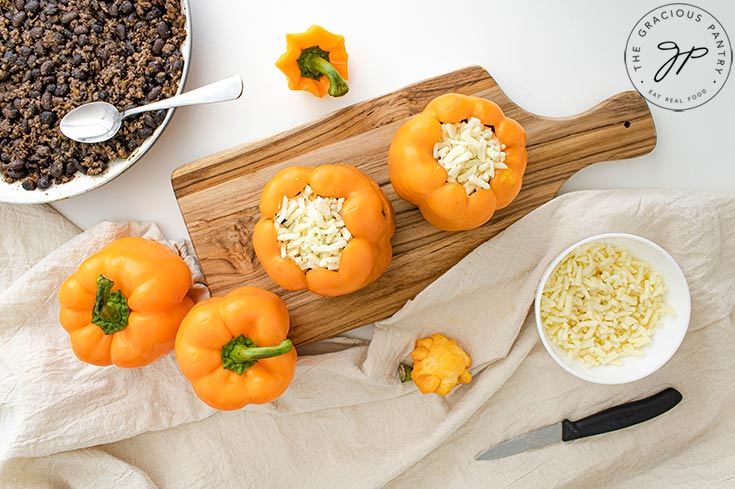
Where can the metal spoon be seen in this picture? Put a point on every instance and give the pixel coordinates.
(99, 121)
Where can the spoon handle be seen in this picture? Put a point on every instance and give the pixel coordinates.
(221, 91)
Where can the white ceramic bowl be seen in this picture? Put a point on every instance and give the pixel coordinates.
(14, 193)
(668, 336)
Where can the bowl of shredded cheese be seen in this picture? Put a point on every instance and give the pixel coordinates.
(612, 308)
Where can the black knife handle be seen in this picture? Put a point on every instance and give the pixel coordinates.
(621, 416)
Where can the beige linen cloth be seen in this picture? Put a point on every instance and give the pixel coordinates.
(346, 421)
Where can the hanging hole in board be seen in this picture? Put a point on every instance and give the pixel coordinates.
(626, 124)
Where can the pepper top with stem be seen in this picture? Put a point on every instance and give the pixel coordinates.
(315, 61)
(241, 353)
(111, 311)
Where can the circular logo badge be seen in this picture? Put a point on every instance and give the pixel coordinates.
(678, 56)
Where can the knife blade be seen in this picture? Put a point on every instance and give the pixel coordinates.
(611, 419)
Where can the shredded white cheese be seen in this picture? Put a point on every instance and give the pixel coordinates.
(601, 303)
(311, 231)
(470, 152)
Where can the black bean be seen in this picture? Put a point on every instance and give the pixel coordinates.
(48, 117)
(43, 151)
(79, 74)
(18, 18)
(161, 77)
(71, 168)
(68, 17)
(158, 46)
(153, 13)
(76, 59)
(102, 95)
(34, 93)
(44, 182)
(16, 165)
(16, 173)
(145, 132)
(154, 93)
(33, 108)
(81, 29)
(46, 103)
(32, 6)
(50, 9)
(149, 121)
(121, 31)
(80, 167)
(47, 67)
(36, 32)
(126, 7)
(132, 143)
(56, 169)
(61, 90)
(82, 40)
(113, 10)
(19, 4)
(163, 30)
(160, 116)
(10, 112)
(29, 184)
(103, 52)
(97, 28)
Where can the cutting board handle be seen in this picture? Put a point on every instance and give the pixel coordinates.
(617, 128)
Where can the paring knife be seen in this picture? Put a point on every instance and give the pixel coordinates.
(610, 419)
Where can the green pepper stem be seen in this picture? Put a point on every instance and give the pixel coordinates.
(241, 353)
(337, 84)
(110, 311)
(244, 353)
(404, 372)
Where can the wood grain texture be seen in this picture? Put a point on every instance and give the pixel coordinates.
(218, 195)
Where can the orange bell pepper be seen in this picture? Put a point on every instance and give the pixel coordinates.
(419, 178)
(367, 214)
(234, 350)
(315, 61)
(124, 304)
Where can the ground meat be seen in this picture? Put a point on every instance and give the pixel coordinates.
(58, 54)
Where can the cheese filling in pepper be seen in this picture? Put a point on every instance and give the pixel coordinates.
(470, 152)
(311, 231)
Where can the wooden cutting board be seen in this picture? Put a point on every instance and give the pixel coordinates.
(218, 195)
